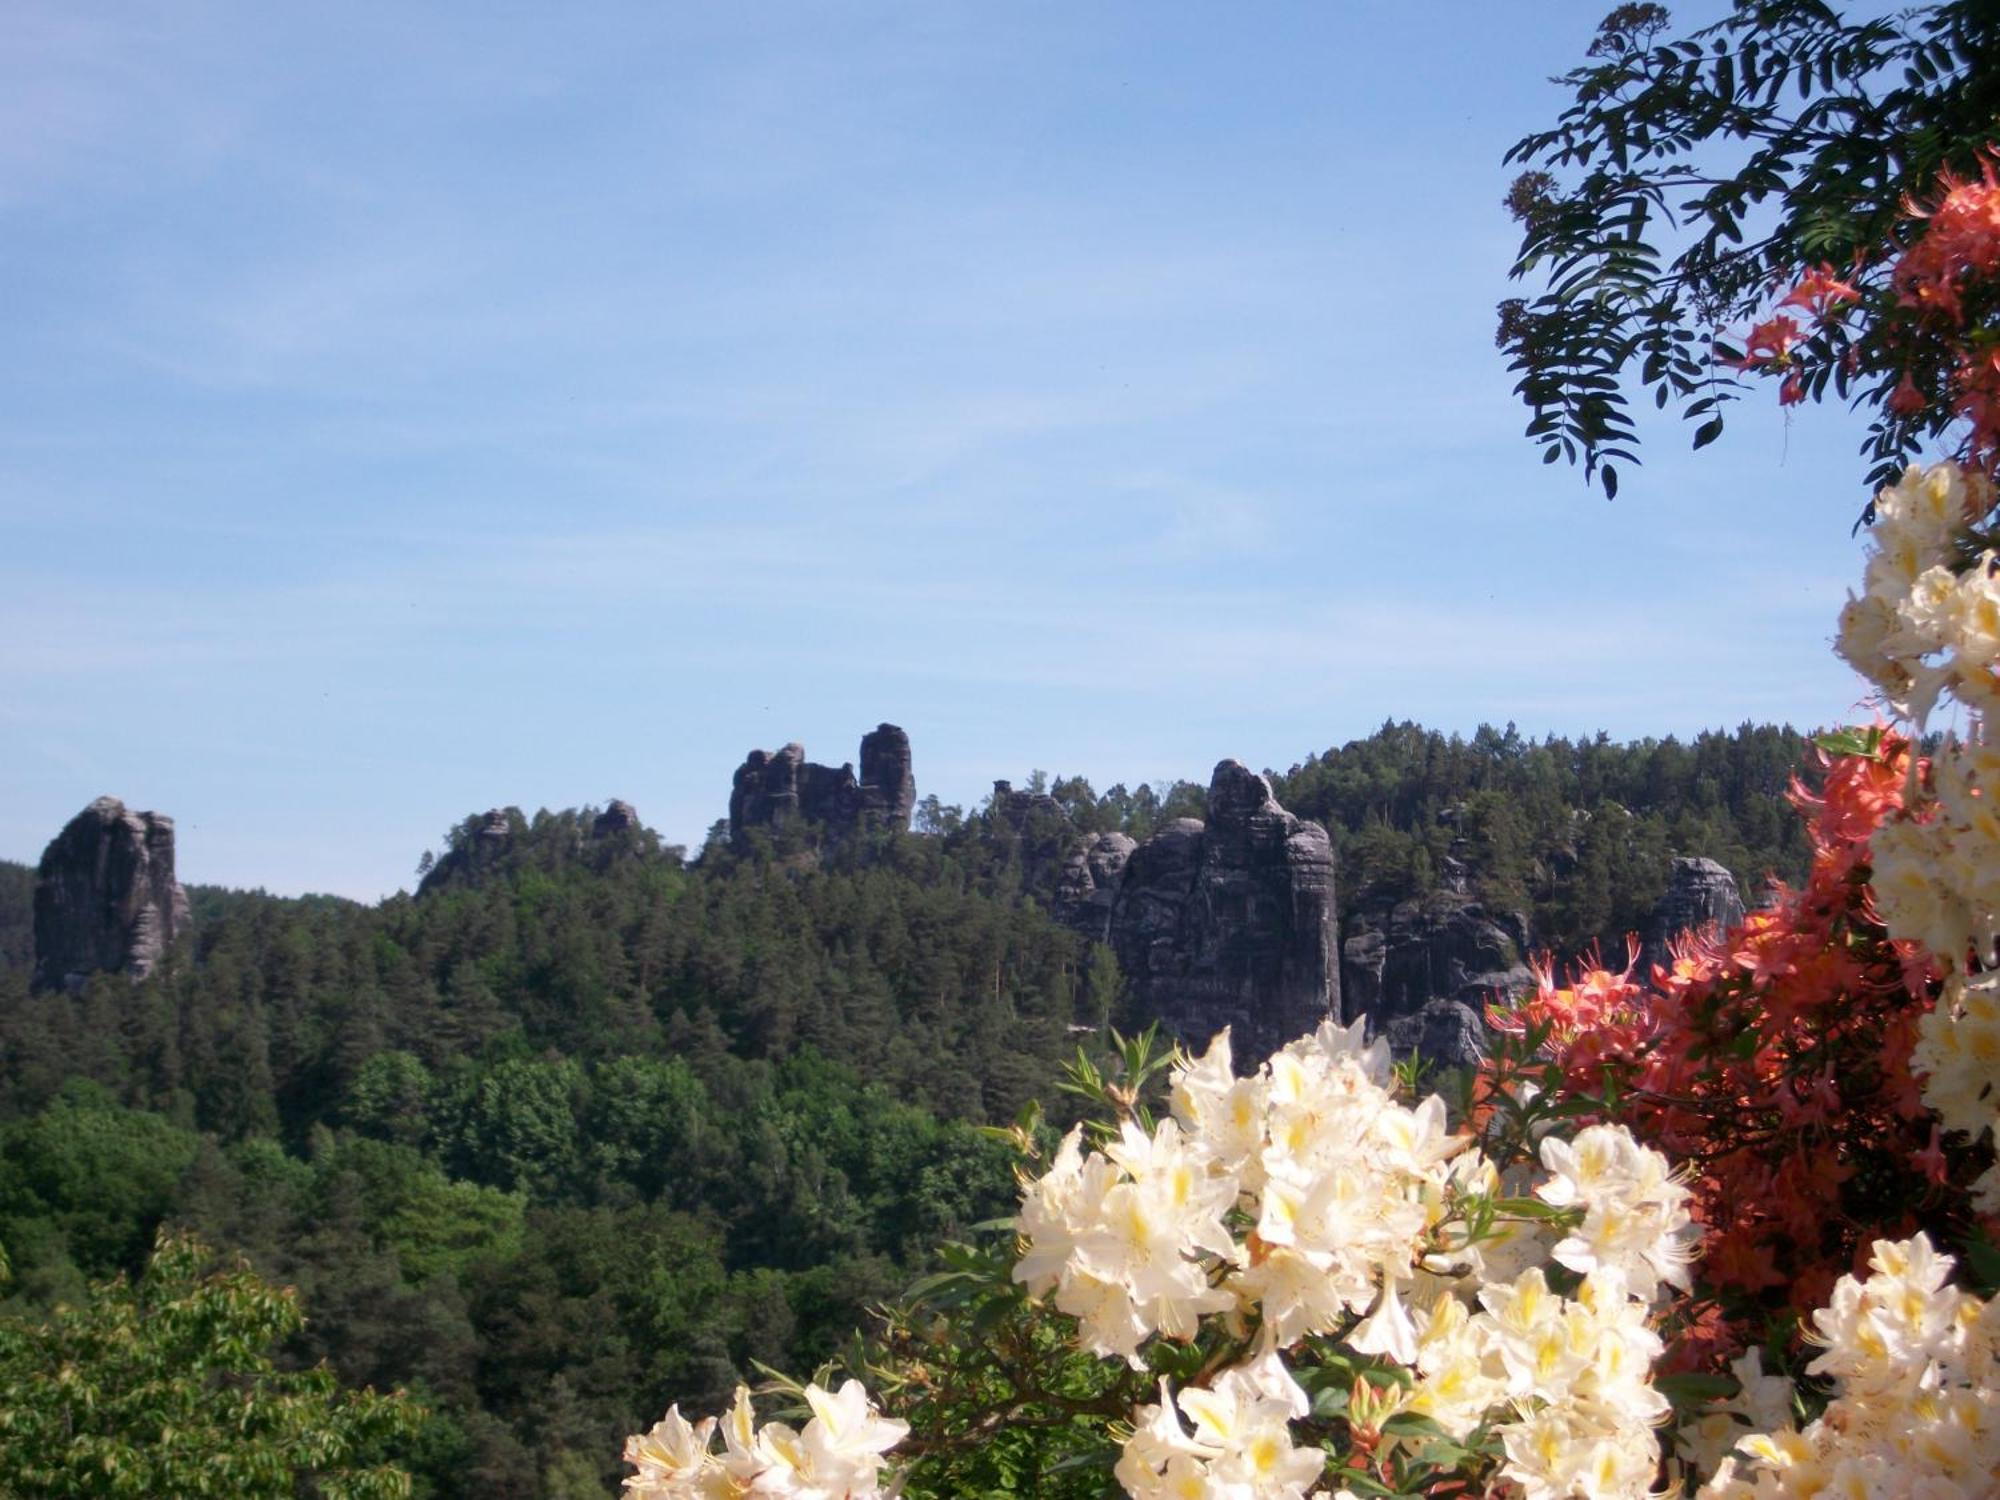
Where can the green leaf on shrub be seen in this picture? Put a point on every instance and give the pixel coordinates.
(1853, 740)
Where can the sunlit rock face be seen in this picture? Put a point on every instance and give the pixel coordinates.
(1700, 895)
(106, 900)
(1087, 887)
(774, 788)
(1228, 922)
(1442, 946)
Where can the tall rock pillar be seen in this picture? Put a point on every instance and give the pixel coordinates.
(106, 900)
(1231, 922)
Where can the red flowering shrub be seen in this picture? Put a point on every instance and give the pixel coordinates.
(1932, 314)
(1773, 1064)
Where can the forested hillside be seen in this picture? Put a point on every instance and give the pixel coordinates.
(1575, 834)
(588, 1127)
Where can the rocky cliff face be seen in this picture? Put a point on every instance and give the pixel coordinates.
(1224, 923)
(1422, 971)
(774, 788)
(106, 900)
(1087, 887)
(1700, 894)
(618, 817)
(1444, 946)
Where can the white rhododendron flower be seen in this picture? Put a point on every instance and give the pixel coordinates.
(1237, 1444)
(674, 1460)
(1333, 1173)
(1916, 1411)
(1926, 624)
(838, 1456)
(1762, 1403)
(1928, 627)
(1635, 1217)
(1958, 1049)
(1306, 1200)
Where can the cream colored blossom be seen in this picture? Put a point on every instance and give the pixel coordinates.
(1635, 1218)
(1915, 1411)
(1928, 622)
(1306, 1200)
(837, 1457)
(674, 1461)
(1237, 1444)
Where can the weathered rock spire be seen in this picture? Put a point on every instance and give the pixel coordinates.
(106, 900)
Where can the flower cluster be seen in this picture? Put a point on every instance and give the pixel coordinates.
(1928, 626)
(1769, 345)
(1774, 1062)
(1305, 1201)
(1959, 1050)
(1928, 621)
(1943, 284)
(1336, 1182)
(1960, 247)
(1916, 316)
(1937, 875)
(837, 1457)
(1916, 1411)
(1238, 1441)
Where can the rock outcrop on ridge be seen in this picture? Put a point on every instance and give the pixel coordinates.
(1224, 923)
(470, 858)
(775, 788)
(106, 900)
(497, 842)
(1700, 894)
(617, 817)
(1443, 946)
(1422, 971)
(1087, 887)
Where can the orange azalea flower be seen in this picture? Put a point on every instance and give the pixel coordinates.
(1820, 292)
(1773, 1064)
(1769, 343)
(1978, 382)
(1961, 243)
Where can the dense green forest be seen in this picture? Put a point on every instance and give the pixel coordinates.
(1575, 834)
(589, 1127)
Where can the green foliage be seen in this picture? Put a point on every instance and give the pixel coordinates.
(84, 1183)
(579, 1134)
(167, 1386)
(17, 919)
(435, 1226)
(1690, 175)
(1578, 835)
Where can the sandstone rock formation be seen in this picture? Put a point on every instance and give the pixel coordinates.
(1700, 894)
(772, 789)
(1041, 835)
(1423, 971)
(1444, 946)
(1444, 1033)
(888, 786)
(1228, 922)
(106, 900)
(471, 857)
(1087, 888)
(617, 817)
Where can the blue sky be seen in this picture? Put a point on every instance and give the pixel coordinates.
(407, 410)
